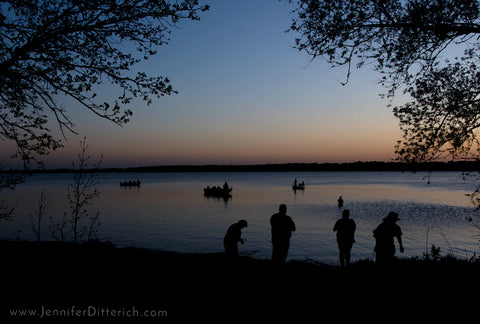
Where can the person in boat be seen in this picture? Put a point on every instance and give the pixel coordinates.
(345, 228)
(233, 236)
(225, 186)
(340, 201)
(384, 239)
(282, 228)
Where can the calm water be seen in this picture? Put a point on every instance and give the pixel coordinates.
(169, 211)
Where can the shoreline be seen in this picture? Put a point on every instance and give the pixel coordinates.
(211, 287)
(460, 166)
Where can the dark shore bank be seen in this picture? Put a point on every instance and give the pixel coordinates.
(460, 166)
(99, 282)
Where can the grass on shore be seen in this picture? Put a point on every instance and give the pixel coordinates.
(212, 288)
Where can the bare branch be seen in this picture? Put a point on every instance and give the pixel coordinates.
(69, 47)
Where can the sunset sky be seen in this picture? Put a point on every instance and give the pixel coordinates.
(245, 96)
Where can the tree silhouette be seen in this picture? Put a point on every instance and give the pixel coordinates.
(443, 118)
(52, 49)
(407, 41)
(402, 38)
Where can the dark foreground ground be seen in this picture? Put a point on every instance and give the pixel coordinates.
(98, 282)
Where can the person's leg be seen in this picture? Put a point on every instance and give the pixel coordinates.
(341, 253)
(231, 250)
(348, 253)
(347, 256)
(284, 250)
(280, 251)
(275, 254)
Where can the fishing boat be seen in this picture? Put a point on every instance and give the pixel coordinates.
(298, 186)
(130, 183)
(216, 191)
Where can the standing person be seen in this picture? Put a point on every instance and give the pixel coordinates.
(345, 228)
(384, 236)
(225, 186)
(233, 236)
(282, 228)
(340, 201)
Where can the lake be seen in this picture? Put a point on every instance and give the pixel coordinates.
(170, 212)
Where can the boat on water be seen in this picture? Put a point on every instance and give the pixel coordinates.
(216, 191)
(298, 185)
(130, 183)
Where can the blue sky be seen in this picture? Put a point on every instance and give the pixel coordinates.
(245, 96)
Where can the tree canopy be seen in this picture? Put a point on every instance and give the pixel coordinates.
(443, 119)
(55, 48)
(403, 38)
(407, 42)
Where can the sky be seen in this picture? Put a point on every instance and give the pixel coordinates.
(245, 96)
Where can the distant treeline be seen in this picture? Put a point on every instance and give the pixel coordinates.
(463, 166)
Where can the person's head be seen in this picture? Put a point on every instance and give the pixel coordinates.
(391, 217)
(283, 209)
(346, 213)
(243, 223)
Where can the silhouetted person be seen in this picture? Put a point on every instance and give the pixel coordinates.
(232, 237)
(282, 228)
(384, 236)
(345, 228)
(340, 201)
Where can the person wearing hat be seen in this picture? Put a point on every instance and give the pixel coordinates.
(384, 237)
(232, 237)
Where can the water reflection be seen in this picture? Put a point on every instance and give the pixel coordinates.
(170, 212)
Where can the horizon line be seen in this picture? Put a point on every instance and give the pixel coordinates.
(287, 166)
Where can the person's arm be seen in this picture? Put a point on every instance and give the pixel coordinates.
(354, 229)
(400, 245)
(293, 228)
(237, 235)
